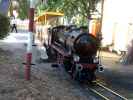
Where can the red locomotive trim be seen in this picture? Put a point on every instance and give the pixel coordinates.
(89, 66)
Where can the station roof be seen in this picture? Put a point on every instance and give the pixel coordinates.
(48, 15)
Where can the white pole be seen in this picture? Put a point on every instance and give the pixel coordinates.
(30, 39)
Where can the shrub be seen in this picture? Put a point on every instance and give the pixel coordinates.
(4, 26)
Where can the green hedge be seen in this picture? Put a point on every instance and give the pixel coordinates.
(4, 26)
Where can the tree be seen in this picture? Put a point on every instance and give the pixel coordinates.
(23, 8)
(83, 8)
(4, 26)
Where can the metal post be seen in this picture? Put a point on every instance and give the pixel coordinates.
(30, 40)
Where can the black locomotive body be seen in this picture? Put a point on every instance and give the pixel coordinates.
(76, 51)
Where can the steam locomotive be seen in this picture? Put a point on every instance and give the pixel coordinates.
(75, 50)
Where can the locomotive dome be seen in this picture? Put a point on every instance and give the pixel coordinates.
(86, 45)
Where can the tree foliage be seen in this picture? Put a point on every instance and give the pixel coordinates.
(23, 8)
(71, 8)
(4, 26)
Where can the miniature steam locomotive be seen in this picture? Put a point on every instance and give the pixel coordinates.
(75, 50)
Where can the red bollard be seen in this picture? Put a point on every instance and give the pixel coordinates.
(28, 66)
(29, 46)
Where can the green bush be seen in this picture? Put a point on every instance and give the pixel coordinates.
(4, 26)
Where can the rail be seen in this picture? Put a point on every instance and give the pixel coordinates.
(106, 93)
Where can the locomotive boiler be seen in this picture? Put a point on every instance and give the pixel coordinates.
(76, 51)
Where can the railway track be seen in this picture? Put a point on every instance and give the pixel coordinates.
(105, 93)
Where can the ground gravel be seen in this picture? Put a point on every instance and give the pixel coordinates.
(46, 83)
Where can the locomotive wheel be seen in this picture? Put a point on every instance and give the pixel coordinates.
(84, 76)
(76, 76)
(91, 76)
(67, 63)
(51, 54)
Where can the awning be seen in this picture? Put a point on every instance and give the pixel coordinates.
(47, 16)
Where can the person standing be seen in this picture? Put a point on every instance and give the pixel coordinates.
(13, 24)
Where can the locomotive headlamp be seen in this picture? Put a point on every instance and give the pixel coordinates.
(76, 58)
(100, 68)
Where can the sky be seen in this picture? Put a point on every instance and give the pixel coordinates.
(4, 5)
